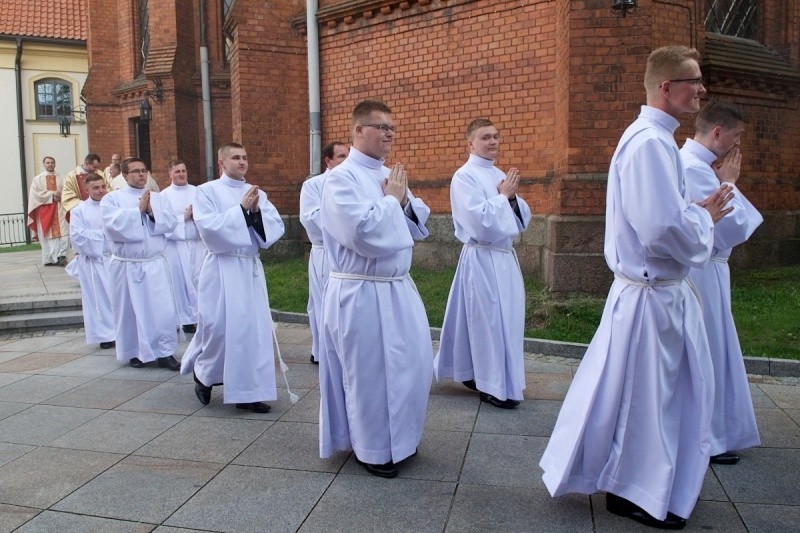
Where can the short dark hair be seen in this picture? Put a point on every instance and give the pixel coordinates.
(94, 176)
(90, 157)
(49, 157)
(328, 150)
(477, 123)
(364, 108)
(174, 163)
(718, 113)
(127, 161)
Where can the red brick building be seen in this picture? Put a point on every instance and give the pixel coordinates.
(560, 78)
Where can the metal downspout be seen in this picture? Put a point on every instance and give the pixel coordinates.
(315, 122)
(23, 170)
(204, 81)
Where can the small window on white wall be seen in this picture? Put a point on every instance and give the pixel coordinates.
(53, 98)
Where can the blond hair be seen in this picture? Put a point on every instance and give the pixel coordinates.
(663, 63)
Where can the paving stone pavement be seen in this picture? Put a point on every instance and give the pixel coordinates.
(89, 444)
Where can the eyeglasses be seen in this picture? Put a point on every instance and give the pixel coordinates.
(138, 171)
(385, 128)
(692, 81)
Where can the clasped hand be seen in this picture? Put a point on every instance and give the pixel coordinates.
(397, 184)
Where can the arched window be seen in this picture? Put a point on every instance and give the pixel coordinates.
(53, 98)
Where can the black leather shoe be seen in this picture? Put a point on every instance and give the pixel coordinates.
(256, 407)
(202, 391)
(470, 384)
(169, 362)
(313, 361)
(107, 345)
(726, 458)
(189, 328)
(497, 402)
(387, 470)
(135, 363)
(622, 507)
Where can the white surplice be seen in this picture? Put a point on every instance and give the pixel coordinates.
(377, 362)
(484, 323)
(233, 344)
(46, 218)
(92, 253)
(185, 252)
(142, 293)
(310, 204)
(733, 423)
(635, 421)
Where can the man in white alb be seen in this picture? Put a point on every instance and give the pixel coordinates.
(484, 324)
(92, 256)
(376, 366)
(310, 203)
(711, 157)
(136, 221)
(635, 421)
(233, 344)
(185, 251)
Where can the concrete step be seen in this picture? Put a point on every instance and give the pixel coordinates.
(39, 304)
(72, 318)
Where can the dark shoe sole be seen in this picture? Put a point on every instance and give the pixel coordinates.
(107, 345)
(497, 402)
(388, 470)
(626, 509)
(169, 362)
(724, 459)
(470, 384)
(203, 393)
(256, 407)
(135, 363)
(313, 361)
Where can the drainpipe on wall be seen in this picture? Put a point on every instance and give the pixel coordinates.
(315, 140)
(204, 81)
(23, 170)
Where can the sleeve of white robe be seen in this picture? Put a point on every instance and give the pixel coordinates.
(417, 229)
(271, 219)
(371, 228)
(485, 219)
(121, 224)
(85, 241)
(737, 226)
(310, 196)
(165, 219)
(665, 224)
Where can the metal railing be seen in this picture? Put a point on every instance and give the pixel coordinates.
(13, 229)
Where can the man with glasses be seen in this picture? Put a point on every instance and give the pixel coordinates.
(481, 340)
(119, 182)
(376, 367)
(710, 158)
(635, 422)
(135, 221)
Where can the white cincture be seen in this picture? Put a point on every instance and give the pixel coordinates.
(511, 251)
(718, 259)
(661, 283)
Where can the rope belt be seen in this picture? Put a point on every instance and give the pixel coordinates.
(718, 259)
(661, 283)
(294, 398)
(491, 248)
(317, 247)
(361, 277)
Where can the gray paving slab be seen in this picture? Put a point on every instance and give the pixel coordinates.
(9, 451)
(9, 408)
(55, 522)
(40, 424)
(505, 460)
(478, 508)
(293, 334)
(292, 445)
(102, 393)
(528, 418)
(300, 376)
(92, 366)
(38, 388)
(147, 373)
(785, 396)
(769, 518)
(543, 365)
(77, 345)
(34, 343)
(36, 362)
(452, 413)
(278, 408)
(13, 516)
(794, 414)
(777, 429)
(43, 476)
(9, 356)
(305, 410)
(244, 498)
(6, 379)
(143, 489)
(166, 398)
(117, 432)
(439, 457)
(763, 475)
(546, 386)
(712, 489)
(366, 504)
(205, 439)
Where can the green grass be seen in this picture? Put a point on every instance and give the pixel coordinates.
(20, 248)
(766, 306)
